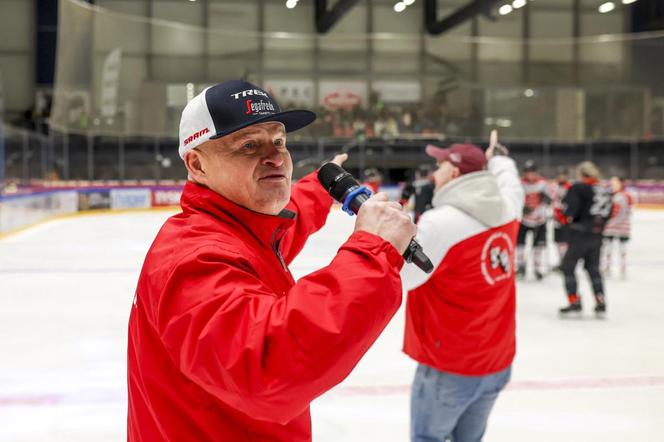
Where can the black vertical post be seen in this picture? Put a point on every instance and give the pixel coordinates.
(91, 159)
(525, 53)
(121, 157)
(46, 15)
(65, 155)
(24, 153)
(576, 33)
(261, 43)
(634, 160)
(157, 160)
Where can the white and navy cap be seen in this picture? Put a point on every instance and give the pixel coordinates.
(230, 106)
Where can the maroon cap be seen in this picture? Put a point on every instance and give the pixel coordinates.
(467, 157)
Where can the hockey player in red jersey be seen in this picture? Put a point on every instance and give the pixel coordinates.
(535, 215)
(619, 226)
(558, 191)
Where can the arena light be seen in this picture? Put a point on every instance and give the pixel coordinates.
(516, 4)
(399, 7)
(505, 9)
(529, 93)
(628, 2)
(408, 2)
(290, 4)
(606, 7)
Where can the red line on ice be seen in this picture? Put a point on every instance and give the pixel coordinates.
(522, 385)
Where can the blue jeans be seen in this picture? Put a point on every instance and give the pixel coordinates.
(446, 406)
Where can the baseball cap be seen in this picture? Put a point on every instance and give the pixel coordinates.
(230, 106)
(467, 157)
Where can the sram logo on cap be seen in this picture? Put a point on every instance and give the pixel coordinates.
(246, 92)
(196, 135)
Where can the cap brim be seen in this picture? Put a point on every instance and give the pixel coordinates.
(292, 120)
(436, 152)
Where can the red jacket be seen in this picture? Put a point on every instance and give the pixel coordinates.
(224, 345)
(461, 318)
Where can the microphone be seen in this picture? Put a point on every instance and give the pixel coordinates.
(342, 187)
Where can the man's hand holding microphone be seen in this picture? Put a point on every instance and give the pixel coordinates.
(386, 219)
(376, 214)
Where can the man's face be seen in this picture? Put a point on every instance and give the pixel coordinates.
(616, 184)
(445, 173)
(531, 176)
(562, 178)
(251, 167)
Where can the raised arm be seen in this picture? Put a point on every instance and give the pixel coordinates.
(504, 169)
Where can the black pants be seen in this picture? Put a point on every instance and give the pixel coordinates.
(585, 246)
(539, 235)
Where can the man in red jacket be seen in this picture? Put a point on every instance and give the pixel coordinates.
(460, 319)
(224, 345)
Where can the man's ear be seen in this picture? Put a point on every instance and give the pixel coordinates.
(193, 161)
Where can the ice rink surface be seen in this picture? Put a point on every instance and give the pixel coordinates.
(66, 289)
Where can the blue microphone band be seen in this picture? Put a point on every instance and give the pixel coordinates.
(353, 194)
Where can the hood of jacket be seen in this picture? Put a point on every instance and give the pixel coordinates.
(476, 194)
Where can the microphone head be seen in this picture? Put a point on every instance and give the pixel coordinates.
(327, 173)
(336, 181)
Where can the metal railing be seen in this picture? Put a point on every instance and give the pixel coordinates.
(58, 155)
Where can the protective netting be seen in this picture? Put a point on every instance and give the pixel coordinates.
(120, 74)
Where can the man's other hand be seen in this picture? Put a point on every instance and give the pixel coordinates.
(339, 159)
(495, 148)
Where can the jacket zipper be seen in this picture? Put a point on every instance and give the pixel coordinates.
(275, 247)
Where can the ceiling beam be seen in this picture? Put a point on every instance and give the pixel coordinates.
(325, 19)
(437, 27)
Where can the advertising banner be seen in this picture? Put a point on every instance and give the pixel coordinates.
(647, 193)
(166, 196)
(94, 199)
(343, 94)
(299, 93)
(23, 210)
(130, 198)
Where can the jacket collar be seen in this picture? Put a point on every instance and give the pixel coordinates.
(266, 228)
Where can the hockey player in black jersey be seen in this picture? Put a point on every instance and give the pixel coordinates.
(421, 188)
(586, 207)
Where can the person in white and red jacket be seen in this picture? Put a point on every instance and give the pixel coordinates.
(224, 344)
(460, 319)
